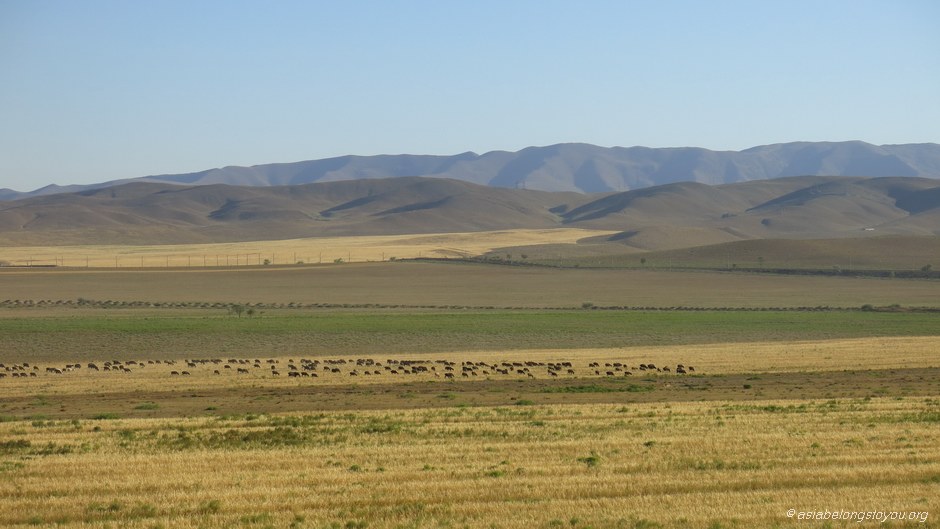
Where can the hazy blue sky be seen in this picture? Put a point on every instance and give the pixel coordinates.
(96, 90)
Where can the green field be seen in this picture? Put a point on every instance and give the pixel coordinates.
(89, 334)
(460, 284)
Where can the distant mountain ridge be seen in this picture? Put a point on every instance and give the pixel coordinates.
(576, 167)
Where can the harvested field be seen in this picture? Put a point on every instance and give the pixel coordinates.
(667, 464)
(899, 367)
(289, 251)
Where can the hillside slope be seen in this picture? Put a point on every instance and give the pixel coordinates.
(657, 218)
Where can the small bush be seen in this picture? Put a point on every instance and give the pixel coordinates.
(250, 519)
(7, 447)
(591, 461)
(210, 507)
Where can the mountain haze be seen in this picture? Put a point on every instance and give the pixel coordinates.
(578, 167)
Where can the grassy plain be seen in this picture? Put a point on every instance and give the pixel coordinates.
(443, 284)
(83, 335)
(786, 409)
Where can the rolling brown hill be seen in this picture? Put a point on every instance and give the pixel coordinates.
(797, 208)
(148, 213)
(665, 217)
(867, 252)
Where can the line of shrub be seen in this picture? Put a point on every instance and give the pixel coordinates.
(109, 304)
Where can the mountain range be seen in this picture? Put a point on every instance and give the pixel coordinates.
(575, 167)
(674, 215)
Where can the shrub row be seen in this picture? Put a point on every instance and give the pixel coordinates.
(110, 304)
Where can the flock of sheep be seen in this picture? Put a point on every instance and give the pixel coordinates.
(362, 367)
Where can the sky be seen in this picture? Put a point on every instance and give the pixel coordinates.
(98, 90)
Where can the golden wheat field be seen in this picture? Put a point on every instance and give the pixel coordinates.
(709, 465)
(290, 251)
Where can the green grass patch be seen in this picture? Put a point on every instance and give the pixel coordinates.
(15, 446)
(591, 461)
(597, 388)
(45, 338)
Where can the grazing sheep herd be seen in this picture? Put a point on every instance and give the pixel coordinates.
(341, 367)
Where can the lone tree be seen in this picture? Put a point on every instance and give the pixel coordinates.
(237, 309)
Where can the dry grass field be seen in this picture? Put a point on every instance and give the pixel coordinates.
(817, 369)
(646, 465)
(639, 465)
(290, 251)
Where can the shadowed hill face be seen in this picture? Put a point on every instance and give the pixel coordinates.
(671, 216)
(688, 199)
